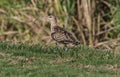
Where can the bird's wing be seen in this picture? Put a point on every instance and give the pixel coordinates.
(61, 35)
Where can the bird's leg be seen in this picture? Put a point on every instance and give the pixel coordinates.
(56, 44)
(65, 45)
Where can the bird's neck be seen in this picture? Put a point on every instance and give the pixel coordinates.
(53, 24)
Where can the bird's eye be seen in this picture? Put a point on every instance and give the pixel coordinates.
(50, 16)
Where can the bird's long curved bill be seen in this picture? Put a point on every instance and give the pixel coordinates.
(41, 18)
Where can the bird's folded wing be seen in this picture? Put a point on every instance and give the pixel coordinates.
(61, 34)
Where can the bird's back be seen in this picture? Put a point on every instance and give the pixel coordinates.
(62, 36)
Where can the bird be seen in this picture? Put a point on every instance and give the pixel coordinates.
(59, 34)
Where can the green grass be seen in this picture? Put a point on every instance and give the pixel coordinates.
(22, 60)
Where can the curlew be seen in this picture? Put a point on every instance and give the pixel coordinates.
(59, 34)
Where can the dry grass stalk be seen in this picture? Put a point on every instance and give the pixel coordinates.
(92, 22)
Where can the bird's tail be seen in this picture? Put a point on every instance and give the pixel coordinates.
(76, 43)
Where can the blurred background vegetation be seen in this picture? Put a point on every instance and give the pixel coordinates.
(95, 23)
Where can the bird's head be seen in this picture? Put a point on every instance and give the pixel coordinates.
(51, 19)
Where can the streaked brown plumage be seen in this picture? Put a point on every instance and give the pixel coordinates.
(60, 35)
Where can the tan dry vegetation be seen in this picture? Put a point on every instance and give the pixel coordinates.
(92, 22)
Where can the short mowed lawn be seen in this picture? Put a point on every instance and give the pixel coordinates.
(23, 60)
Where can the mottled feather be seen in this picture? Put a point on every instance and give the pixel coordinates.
(59, 34)
(62, 36)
